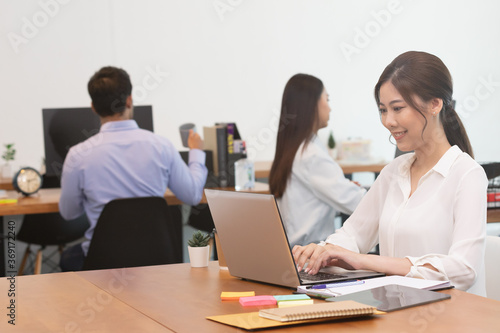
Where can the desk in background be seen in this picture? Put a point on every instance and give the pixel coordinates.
(177, 298)
(263, 168)
(6, 184)
(47, 201)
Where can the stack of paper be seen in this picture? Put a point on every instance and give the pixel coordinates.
(333, 291)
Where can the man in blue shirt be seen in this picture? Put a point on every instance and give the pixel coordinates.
(122, 161)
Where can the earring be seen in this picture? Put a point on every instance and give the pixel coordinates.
(434, 114)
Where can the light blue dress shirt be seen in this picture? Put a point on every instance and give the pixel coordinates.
(123, 161)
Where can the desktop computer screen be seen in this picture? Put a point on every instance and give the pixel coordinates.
(65, 127)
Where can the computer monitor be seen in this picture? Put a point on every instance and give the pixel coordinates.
(65, 127)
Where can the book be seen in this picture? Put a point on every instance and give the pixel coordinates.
(232, 154)
(231, 172)
(252, 321)
(319, 310)
(230, 138)
(493, 200)
(215, 139)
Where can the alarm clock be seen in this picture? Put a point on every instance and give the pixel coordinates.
(27, 181)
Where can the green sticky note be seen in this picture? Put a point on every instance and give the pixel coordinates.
(295, 297)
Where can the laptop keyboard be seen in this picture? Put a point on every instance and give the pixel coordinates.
(320, 276)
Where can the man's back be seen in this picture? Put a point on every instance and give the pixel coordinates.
(123, 161)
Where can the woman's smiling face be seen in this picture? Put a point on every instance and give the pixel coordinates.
(404, 122)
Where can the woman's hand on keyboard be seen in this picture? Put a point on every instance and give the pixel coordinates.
(322, 256)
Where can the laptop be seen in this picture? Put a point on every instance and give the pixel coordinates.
(254, 241)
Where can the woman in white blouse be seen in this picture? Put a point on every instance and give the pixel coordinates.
(309, 185)
(427, 209)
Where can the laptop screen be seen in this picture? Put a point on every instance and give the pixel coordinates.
(254, 241)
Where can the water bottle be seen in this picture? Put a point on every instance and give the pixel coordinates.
(244, 174)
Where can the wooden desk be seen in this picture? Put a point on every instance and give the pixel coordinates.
(65, 302)
(263, 168)
(47, 200)
(493, 215)
(177, 298)
(180, 297)
(6, 184)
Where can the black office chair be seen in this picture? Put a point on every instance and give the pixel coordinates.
(492, 169)
(48, 229)
(134, 232)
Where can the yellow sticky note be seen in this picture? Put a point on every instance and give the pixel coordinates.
(286, 304)
(7, 201)
(235, 295)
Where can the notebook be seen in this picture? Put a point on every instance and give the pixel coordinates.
(392, 297)
(254, 241)
(320, 310)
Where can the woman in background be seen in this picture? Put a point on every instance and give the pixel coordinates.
(309, 185)
(427, 209)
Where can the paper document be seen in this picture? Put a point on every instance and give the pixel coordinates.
(374, 283)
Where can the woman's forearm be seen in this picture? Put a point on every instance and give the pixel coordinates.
(387, 265)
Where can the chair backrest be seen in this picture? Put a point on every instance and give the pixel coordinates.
(492, 169)
(492, 267)
(400, 152)
(51, 229)
(133, 232)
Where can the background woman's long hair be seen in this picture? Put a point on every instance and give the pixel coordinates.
(426, 76)
(298, 122)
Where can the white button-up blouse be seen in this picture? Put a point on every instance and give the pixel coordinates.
(316, 191)
(443, 223)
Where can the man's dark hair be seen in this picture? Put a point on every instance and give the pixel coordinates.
(109, 88)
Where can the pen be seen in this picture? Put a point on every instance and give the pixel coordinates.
(338, 284)
(319, 296)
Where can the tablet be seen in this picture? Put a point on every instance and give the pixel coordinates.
(392, 297)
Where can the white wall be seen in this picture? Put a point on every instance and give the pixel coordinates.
(228, 60)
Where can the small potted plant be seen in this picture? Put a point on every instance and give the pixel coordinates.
(331, 146)
(8, 155)
(199, 250)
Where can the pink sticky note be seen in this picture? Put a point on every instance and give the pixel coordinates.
(257, 300)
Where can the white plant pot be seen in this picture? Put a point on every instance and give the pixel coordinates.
(332, 153)
(6, 171)
(198, 256)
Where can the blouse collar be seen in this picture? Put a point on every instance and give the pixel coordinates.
(442, 167)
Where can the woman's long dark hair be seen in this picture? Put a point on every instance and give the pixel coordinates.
(426, 76)
(298, 122)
